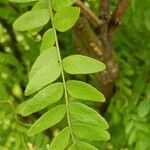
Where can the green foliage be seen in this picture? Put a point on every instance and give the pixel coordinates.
(55, 98)
(61, 104)
(127, 109)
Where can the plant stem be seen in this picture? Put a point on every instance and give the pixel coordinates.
(62, 71)
(89, 13)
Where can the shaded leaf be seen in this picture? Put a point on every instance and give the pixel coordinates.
(78, 64)
(50, 118)
(45, 70)
(42, 99)
(66, 18)
(82, 113)
(30, 20)
(84, 91)
(61, 141)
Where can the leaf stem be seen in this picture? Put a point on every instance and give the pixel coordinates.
(62, 71)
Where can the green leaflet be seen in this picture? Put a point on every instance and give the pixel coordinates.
(78, 64)
(48, 40)
(84, 91)
(143, 108)
(50, 118)
(61, 141)
(32, 20)
(22, 1)
(59, 4)
(90, 132)
(45, 70)
(82, 146)
(41, 4)
(66, 18)
(42, 99)
(84, 114)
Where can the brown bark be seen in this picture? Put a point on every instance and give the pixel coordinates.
(117, 15)
(96, 44)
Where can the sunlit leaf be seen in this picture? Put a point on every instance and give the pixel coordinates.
(41, 4)
(45, 70)
(66, 18)
(84, 91)
(78, 64)
(48, 40)
(32, 20)
(59, 4)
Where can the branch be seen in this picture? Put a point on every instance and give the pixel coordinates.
(88, 13)
(104, 9)
(117, 15)
(12, 35)
(105, 16)
(88, 43)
